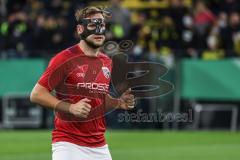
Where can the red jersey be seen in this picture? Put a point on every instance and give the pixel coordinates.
(74, 76)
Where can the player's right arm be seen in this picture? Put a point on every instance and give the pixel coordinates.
(41, 93)
(43, 97)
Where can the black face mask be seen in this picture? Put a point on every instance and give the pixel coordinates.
(92, 26)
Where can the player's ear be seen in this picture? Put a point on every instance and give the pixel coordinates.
(80, 29)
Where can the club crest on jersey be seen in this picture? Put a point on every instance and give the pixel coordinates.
(106, 72)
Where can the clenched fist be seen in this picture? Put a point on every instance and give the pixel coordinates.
(127, 100)
(81, 109)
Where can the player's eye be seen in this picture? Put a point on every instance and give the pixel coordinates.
(91, 26)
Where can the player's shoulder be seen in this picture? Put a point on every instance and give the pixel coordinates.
(65, 54)
(69, 52)
(104, 56)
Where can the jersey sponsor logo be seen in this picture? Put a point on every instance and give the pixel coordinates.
(106, 72)
(94, 86)
(81, 70)
(80, 74)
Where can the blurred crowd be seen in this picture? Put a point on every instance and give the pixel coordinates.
(208, 30)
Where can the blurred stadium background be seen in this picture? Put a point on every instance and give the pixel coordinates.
(199, 42)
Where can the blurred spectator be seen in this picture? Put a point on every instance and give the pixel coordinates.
(231, 35)
(211, 29)
(3, 10)
(177, 10)
(188, 37)
(213, 52)
(52, 32)
(222, 21)
(120, 21)
(16, 34)
(168, 34)
(137, 35)
(203, 17)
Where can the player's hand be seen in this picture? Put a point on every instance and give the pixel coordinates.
(81, 109)
(127, 100)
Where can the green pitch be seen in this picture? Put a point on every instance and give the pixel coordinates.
(131, 145)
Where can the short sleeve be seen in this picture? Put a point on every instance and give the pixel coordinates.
(54, 74)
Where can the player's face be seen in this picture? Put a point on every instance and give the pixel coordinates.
(95, 40)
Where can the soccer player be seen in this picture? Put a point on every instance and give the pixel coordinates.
(80, 77)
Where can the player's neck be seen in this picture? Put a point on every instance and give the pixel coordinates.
(88, 50)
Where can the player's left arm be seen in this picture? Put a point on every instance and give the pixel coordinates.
(126, 101)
